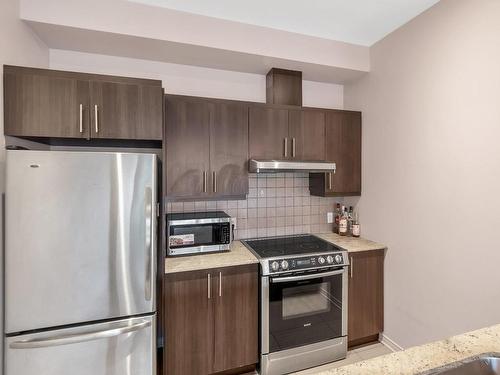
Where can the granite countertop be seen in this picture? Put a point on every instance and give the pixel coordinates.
(421, 359)
(351, 244)
(238, 255)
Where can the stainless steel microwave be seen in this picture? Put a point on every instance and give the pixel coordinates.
(198, 232)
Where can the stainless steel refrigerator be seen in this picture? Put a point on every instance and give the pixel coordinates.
(80, 263)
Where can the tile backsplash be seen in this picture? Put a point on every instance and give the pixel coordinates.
(277, 204)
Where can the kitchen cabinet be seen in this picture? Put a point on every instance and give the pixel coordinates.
(343, 147)
(277, 133)
(366, 297)
(206, 144)
(57, 104)
(268, 133)
(211, 319)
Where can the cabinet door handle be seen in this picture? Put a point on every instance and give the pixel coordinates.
(96, 118)
(81, 118)
(293, 147)
(352, 267)
(329, 180)
(208, 285)
(286, 147)
(204, 181)
(215, 181)
(220, 284)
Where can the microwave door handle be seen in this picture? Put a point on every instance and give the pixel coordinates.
(306, 277)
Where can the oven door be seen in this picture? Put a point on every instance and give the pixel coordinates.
(305, 309)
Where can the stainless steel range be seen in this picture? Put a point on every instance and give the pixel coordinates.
(303, 302)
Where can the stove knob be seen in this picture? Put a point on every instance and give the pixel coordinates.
(329, 259)
(284, 264)
(275, 266)
(321, 260)
(338, 259)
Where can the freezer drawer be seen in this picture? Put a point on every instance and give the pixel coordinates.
(80, 237)
(123, 347)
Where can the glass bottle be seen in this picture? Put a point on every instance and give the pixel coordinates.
(356, 227)
(343, 223)
(337, 219)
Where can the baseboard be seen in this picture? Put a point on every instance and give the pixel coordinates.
(389, 343)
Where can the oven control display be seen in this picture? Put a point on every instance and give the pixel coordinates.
(303, 262)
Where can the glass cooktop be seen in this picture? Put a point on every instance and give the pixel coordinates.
(290, 245)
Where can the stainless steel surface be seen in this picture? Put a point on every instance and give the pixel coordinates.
(264, 314)
(220, 284)
(286, 147)
(200, 221)
(273, 166)
(123, 347)
(96, 118)
(74, 338)
(204, 181)
(330, 181)
(303, 357)
(284, 279)
(209, 286)
(215, 181)
(293, 147)
(486, 364)
(199, 249)
(81, 118)
(77, 228)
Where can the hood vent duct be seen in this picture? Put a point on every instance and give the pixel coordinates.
(275, 166)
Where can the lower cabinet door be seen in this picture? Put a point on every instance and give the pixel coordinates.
(189, 323)
(366, 296)
(236, 317)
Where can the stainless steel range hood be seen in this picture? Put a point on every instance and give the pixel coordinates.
(275, 166)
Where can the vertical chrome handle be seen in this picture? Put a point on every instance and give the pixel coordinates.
(286, 146)
(96, 118)
(214, 176)
(81, 118)
(329, 180)
(204, 181)
(148, 197)
(220, 284)
(208, 285)
(293, 147)
(352, 267)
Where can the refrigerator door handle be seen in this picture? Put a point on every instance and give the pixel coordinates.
(77, 338)
(149, 243)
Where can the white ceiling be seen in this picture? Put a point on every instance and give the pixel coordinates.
(362, 22)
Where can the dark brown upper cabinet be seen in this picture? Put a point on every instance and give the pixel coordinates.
(58, 104)
(307, 134)
(206, 144)
(343, 147)
(268, 133)
(284, 87)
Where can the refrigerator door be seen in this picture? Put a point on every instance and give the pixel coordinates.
(80, 237)
(123, 347)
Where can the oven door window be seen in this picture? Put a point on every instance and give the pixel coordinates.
(194, 235)
(304, 312)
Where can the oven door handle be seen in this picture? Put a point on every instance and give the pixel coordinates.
(307, 277)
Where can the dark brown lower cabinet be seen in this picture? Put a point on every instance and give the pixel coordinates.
(211, 320)
(366, 297)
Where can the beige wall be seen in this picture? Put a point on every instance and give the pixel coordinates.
(431, 169)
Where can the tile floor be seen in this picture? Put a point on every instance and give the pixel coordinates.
(356, 355)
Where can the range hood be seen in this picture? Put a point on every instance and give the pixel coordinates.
(275, 166)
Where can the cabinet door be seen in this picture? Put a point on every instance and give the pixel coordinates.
(268, 133)
(307, 134)
(236, 317)
(343, 134)
(44, 105)
(188, 323)
(229, 149)
(366, 296)
(187, 142)
(126, 111)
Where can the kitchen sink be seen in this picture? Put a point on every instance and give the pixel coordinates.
(485, 364)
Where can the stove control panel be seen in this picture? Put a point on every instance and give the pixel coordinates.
(294, 264)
